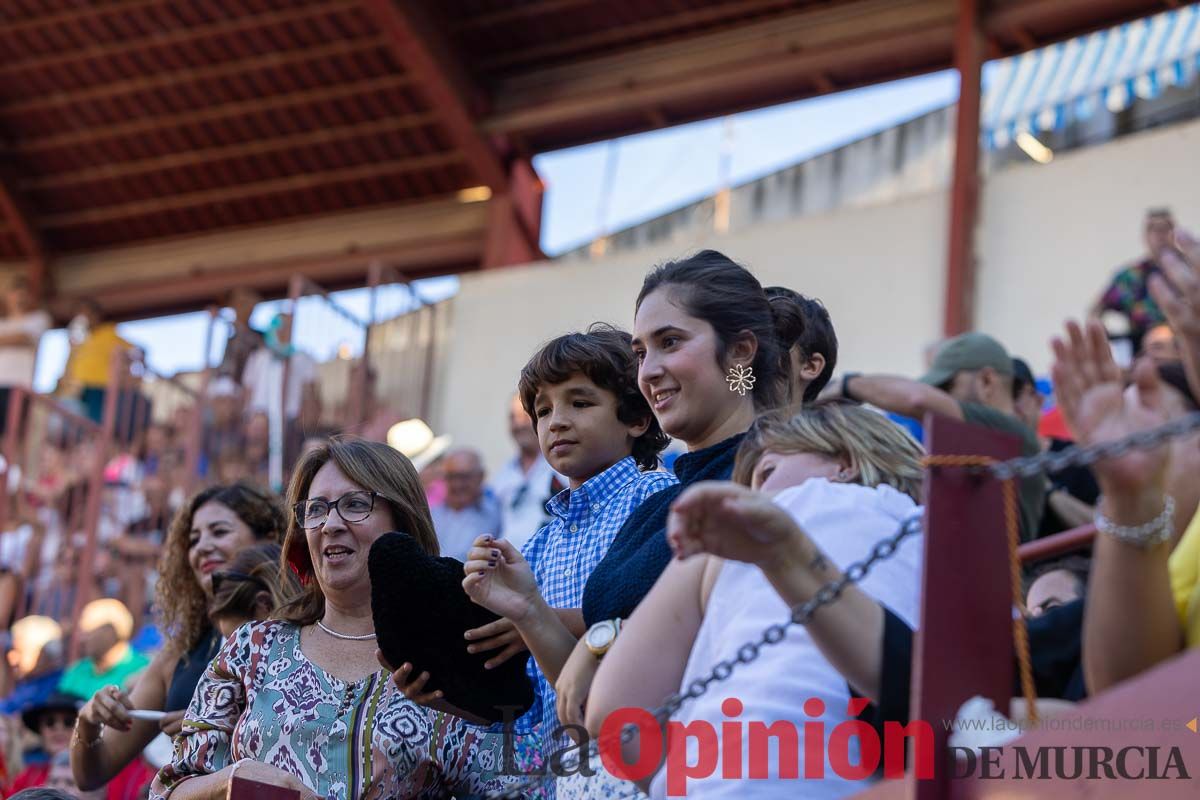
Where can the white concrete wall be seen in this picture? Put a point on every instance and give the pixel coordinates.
(1049, 239)
(1052, 236)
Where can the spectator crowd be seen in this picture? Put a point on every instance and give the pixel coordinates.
(262, 598)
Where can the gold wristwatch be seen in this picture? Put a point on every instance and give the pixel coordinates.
(600, 637)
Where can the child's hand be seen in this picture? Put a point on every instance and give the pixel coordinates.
(499, 579)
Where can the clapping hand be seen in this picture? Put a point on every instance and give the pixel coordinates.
(730, 521)
(1098, 408)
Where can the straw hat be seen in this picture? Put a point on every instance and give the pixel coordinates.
(416, 441)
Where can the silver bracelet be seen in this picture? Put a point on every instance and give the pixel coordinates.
(1149, 534)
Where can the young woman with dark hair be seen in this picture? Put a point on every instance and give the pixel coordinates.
(709, 361)
(806, 332)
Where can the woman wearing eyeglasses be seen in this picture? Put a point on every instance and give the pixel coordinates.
(300, 701)
(205, 536)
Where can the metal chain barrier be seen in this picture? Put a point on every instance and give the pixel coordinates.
(1024, 467)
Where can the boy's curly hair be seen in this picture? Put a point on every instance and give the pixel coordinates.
(604, 354)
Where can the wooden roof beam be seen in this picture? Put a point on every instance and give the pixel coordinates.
(1050, 20)
(138, 299)
(225, 194)
(170, 79)
(208, 155)
(212, 114)
(81, 13)
(517, 12)
(747, 66)
(614, 37)
(760, 62)
(422, 50)
(179, 36)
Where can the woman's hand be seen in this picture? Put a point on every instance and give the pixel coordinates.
(574, 683)
(172, 723)
(261, 772)
(1098, 408)
(414, 690)
(411, 687)
(730, 521)
(500, 579)
(109, 706)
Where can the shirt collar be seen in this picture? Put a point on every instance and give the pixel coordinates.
(596, 489)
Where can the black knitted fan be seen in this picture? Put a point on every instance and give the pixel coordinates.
(421, 612)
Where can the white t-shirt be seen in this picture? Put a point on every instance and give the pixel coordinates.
(17, 362)
(264, 376)
(845, 521)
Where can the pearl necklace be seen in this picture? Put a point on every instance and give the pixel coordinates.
(345, 636)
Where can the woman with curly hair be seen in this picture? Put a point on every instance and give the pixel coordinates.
(205, 536)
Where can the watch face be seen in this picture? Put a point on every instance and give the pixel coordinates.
(599, 635)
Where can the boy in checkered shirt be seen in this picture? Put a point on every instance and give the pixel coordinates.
(594, 427)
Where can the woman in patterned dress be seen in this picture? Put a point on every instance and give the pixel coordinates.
(300, 701)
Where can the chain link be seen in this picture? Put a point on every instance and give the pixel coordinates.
(1023, 467)
(1029, 466)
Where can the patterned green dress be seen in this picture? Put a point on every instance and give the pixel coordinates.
(261, 698)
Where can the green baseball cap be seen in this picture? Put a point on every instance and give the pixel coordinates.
(968, 351)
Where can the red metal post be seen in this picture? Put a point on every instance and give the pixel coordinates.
(16, 405)
(195, 441)
(964, 646)
(91, 521)
(964, 191)
(1059, 544)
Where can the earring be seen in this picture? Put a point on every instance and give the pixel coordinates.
(740, 379)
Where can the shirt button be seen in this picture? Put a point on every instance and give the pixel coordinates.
(567, 572)
(574, 528)
(595, 506)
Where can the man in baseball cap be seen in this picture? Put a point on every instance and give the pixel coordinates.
(963, 363)
(970, 379)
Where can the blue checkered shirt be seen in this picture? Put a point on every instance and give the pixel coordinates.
(563, 553)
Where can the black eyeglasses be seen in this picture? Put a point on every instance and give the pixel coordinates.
(232, 576)
(351, 507)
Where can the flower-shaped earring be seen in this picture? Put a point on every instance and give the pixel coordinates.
(740, 379)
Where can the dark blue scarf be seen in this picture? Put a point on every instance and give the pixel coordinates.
(640, 553)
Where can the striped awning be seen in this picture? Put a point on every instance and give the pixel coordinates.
(1045, 89)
